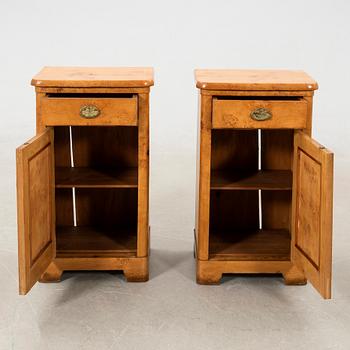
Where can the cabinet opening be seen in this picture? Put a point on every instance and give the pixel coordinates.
(94, 156)
(106, 222)
(96, 190)
(251, 193)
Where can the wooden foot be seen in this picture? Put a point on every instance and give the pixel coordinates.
(207, 275)
(136, 276)
(52, 274)
(137, 271)
(294, 276)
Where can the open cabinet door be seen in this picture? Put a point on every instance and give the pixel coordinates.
(36, 209)
(312, 212)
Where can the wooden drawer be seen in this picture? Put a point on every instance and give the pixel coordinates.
(259, 113)
(84, 110)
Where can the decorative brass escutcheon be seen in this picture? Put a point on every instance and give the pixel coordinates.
(261, 114)
(89, 111)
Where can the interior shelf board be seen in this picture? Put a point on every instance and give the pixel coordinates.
(260, 244)
(67, 177)
(251, 180)
(87, 241)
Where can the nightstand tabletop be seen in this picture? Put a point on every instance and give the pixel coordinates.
(119, 77)
(233, 79)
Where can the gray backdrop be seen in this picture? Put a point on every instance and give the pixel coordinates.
(91, 310)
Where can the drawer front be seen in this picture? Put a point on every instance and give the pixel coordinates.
(89, 111)
(259, 114)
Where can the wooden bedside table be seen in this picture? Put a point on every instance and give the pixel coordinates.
(82, 181)
(265, 187)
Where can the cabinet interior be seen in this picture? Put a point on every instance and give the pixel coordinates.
(96, 179)
(251, 194)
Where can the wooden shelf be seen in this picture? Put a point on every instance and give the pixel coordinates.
(87, 241)
(268, 245)
(96, 178)
(256, 180)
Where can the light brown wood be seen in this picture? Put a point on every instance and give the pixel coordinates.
(196, 204)
(66, 110)
(64, 207)
(276, 155)
(211, 271)
(312, 212)
(52, 274)
(266, 245)
(40, 126)
(36, 209)
(92, 90)
(308, 128)
(233, 79)
(94, 77)
(107, 207)
(277, 149)
(143, 179)
(251, 180)
(134, 269)
(105, 147)
(250, 212)
(81, 177)
(203, 190)
(102, 175)
(276, 209)
(234, 113)
(83, 241)
(63, 198)
(263, 93)
(234, 150)
(234, 210)
(294, 276)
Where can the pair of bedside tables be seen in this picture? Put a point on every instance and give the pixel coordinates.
(264, 186)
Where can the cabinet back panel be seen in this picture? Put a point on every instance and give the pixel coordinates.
(234, 210)
(106, 208)
(113, 147)
(277, 149)
(276, 209)
(64, 197)
(234, 149)
(276, 154)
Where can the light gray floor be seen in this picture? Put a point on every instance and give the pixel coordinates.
(100, 311)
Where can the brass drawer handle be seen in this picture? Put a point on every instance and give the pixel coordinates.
(89, 111)
(261, 114)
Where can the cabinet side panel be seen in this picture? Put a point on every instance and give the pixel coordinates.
(40, 127)
(62, 146)
(203, 168)
(64, 207)
(143, 177)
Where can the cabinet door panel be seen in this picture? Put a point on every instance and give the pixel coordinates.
(312, 211)
(35, 202)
